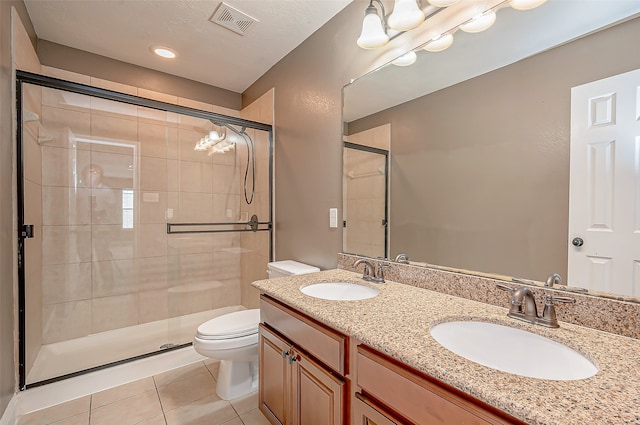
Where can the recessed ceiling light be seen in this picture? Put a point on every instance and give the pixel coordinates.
(163, 52)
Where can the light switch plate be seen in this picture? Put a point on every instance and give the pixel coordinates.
(333, 218)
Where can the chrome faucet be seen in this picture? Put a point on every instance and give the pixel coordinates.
(523, 306)
(371, 273)
(553, 279)
(402, 258)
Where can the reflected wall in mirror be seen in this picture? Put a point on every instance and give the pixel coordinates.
(365, 192)
(480, 166)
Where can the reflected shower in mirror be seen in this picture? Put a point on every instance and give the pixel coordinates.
(479, 145)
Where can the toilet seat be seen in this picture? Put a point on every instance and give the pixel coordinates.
(234, 326)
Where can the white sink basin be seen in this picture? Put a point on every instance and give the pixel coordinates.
(339, 291)
(513, 350)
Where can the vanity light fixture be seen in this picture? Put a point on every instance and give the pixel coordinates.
(480, 23)
(373, 33)
(439, 43)
(406, 15)
(526, 4)
(163, 52)
(407, 59)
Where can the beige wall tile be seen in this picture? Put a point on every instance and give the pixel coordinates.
(152, 272)
(153, 174)
(66, 205)
(112, 242)
(154, 305)
(81, 419)
(110, 85)
(154, 139)
(121, 392)
(151, 116)
(114, 109)
(65, 100)
(195, 208)
(229, 293)
(66, 282)
(110, 170)
(117, 277)
(32, 159)
(194, 243)
(58, 166)
(113, 132)
(106, 205)
(195, 105)
(66, 244)
(32, 203)
(191, 297)
(66, 75)
(195, 177)
(226, 179)
(66, 321)
(153, 206)
(225, 207)
(66, 128)
(129, 411)
(114, 312)
(152, 240)
(154, 95)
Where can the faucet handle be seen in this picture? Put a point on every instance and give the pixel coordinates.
(505, 287)
(549, 318)
(380, 272)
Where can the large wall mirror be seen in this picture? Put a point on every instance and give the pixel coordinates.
(480, 137)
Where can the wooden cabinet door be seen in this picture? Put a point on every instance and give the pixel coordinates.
(318, 396)
(365, 414)
(274, 377)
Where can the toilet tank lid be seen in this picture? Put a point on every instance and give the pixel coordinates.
(292, 267)
(236, 324)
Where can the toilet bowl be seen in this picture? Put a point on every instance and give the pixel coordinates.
(232, 339)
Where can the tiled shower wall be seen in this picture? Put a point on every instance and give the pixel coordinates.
(363, 193)
(113, 175)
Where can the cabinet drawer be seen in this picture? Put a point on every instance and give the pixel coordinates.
(420, 400)
(322, 342)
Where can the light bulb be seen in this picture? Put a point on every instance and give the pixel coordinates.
(439, 43)
(406, 15)
(372, 35)
(480, 22)
(526, 4)
(443, 3)
(407, 59)
(163, 52)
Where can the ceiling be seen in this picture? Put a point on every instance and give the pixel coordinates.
(515, 35)
(209, 53)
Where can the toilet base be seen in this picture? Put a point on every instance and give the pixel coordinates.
(236, 378)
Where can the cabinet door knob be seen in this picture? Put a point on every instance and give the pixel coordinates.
(294, 358)
(285, 354)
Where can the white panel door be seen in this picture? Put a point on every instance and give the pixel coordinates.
(604, 200)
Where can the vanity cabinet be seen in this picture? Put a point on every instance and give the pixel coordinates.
(302, 366)
(414, 398)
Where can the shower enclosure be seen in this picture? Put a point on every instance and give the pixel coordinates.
(138, 221)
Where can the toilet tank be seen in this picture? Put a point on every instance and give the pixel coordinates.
(289, 268)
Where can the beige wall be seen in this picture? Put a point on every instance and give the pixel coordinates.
(308, 148)
(70, 59)
(480, 170)
(8, 289)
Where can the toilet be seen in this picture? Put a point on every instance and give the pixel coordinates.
(233, 339)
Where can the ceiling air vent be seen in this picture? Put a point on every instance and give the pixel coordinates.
(233, 19)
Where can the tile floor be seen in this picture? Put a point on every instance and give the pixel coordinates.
(183, 396)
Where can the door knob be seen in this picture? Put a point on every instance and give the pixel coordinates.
(577, 242)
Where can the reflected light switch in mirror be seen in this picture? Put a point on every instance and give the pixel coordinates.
(333, 218)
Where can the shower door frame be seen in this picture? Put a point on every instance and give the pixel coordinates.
(23, 77)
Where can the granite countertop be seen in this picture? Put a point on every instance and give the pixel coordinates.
(397, 322)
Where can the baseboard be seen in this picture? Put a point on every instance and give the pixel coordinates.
(9, 415)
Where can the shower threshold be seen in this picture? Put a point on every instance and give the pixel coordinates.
(66, 357)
